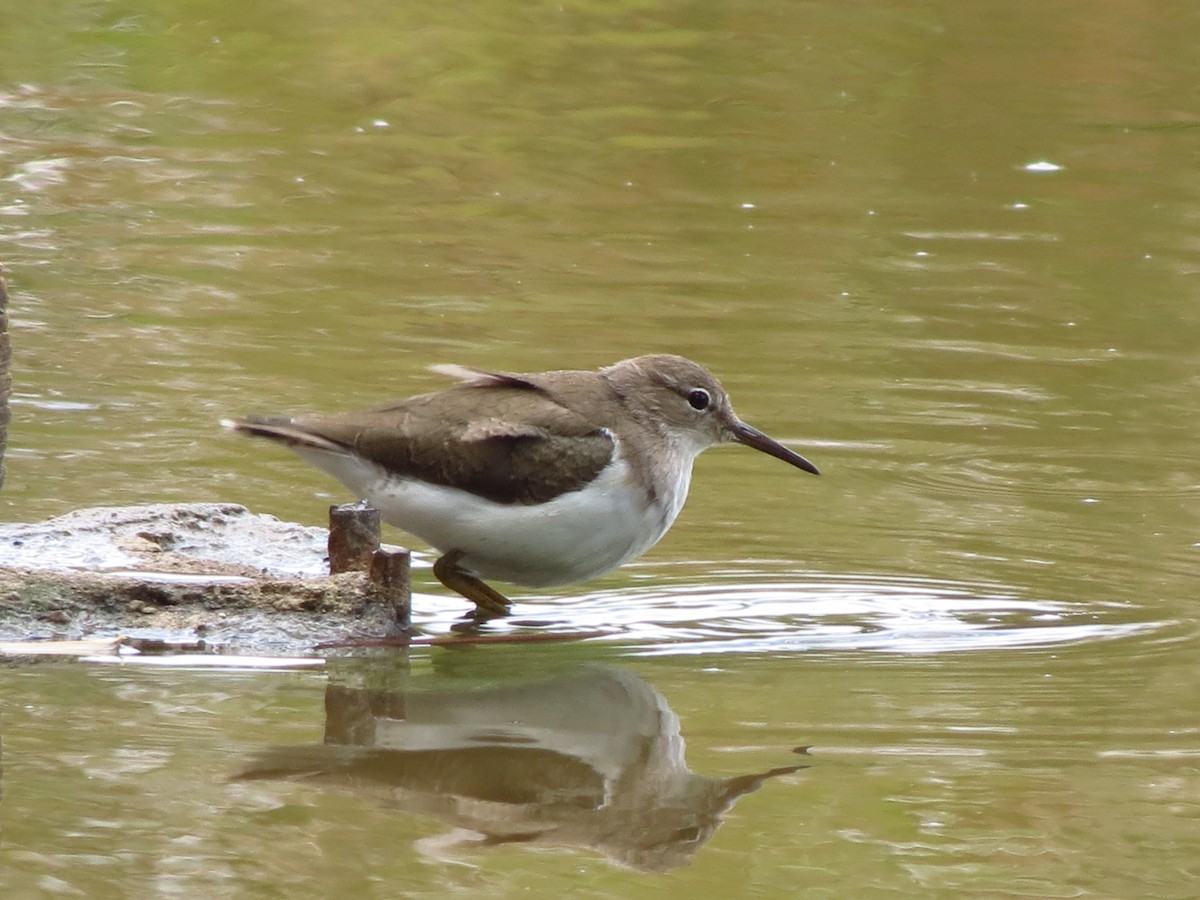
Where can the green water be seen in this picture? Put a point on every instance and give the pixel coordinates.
(947, 251)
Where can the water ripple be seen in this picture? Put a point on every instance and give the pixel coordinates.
(742, 613)
(1085, 473)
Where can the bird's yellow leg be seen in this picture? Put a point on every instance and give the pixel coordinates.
(488, 601)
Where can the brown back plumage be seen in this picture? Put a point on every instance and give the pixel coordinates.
(503, 438)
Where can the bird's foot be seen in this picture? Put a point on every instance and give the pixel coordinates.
(489, 602)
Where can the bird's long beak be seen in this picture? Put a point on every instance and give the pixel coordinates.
(752, 437)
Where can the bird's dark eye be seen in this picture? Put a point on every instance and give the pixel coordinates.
(699, 399)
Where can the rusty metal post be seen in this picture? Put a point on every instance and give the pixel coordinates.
(353, 537)
(390, 570)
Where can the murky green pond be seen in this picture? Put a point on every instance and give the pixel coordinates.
(946, 250)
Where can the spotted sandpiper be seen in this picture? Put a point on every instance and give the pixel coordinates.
(539, 479)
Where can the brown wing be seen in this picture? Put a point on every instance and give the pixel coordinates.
(506, 441)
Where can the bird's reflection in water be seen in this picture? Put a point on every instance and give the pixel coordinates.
(591, 759)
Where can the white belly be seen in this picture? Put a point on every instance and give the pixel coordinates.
(574, 537)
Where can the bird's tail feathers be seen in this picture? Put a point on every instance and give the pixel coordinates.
(284, 431)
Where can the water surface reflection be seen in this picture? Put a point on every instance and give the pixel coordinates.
(591, 759)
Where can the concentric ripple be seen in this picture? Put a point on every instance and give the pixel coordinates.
(748, 613)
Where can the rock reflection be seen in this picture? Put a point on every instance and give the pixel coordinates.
(592, 760)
